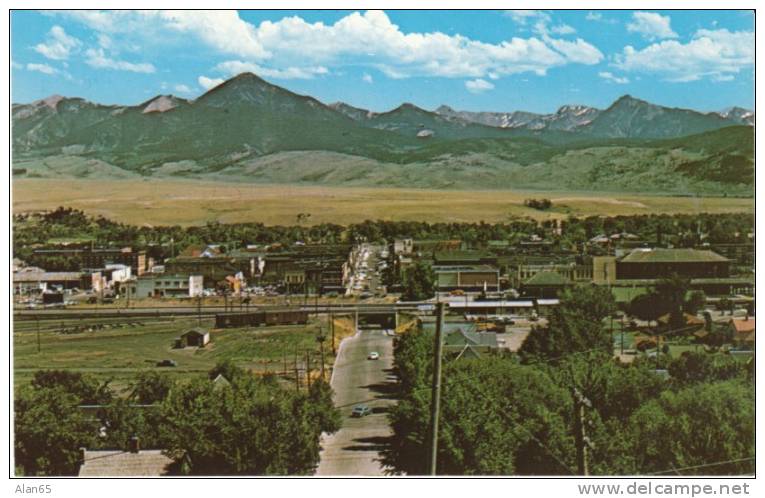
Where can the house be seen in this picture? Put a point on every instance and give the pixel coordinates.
(132, 463)
(403, 246)
(545, 284)
(691, 323)
(194, 338)
(469, 344)
(742, 331)
(220, 382)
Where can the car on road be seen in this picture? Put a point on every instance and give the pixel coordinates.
(360, 411)
(374, 355)
(167, 363)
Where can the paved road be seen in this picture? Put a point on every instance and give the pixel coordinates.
(353, 450)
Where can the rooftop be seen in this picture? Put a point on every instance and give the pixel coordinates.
(460, 256)
(547, 278)
(743, 325)
(46, 276)
(673, 256)
(119, 463)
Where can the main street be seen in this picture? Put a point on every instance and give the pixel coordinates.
(354, 449)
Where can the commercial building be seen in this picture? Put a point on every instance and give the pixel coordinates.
(33, 280)
(88, 257)
(467, 278)
(166, 286)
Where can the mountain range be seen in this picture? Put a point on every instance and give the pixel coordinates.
(247, 129)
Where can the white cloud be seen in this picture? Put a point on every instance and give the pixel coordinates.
(182, 88)
(478, 86)
(232, 68)
(42, 68)
(16, 65)
(294, 48)
(104, 41)
(716, 54)
(578, 51)
(367, 78)
(563, 29)
(58, 45)
(598, 17)
(651, 25)
(209, 83)
(609, 76)
(524, 16)
(96, 58)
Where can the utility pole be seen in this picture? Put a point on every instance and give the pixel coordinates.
(580, 436)
(321, 349)
(332, 322)
(622, 341)
(37, 320)
(297, 372)
(435, 403)
(307, 370)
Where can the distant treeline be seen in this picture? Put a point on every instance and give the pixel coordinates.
(684, 230)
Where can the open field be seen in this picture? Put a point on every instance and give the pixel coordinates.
(171, 202)
(119, 352)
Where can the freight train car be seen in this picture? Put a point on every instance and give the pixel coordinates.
(258, 318)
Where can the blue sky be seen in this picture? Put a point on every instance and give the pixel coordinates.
(473, 60)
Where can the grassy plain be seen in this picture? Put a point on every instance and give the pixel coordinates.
(191, 202)
(121, 350)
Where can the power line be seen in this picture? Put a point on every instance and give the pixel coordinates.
(702, 466)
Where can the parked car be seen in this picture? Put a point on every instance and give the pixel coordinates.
(360, 411)
(374, 355)
(167, 363)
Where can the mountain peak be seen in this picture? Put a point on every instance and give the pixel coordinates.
(161, 103)
(51, 101)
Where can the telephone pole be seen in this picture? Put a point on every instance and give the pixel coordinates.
(332, 322)
(580, 436)
(307, 370)
(435, 403)
(297, 372)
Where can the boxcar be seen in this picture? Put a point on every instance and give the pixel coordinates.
(258, 318)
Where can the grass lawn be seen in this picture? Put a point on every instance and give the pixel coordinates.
(118, 353)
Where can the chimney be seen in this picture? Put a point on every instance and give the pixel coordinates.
(81, 455)
(134, 445)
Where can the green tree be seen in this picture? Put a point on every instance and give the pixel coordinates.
(419, 282)
(672, 290)
(691, 367)
(497, 418)
(150, 387)
(701, 425)
(575, 325)
(251, 427)
(85, 388)
(694, 302)
(49, 429)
